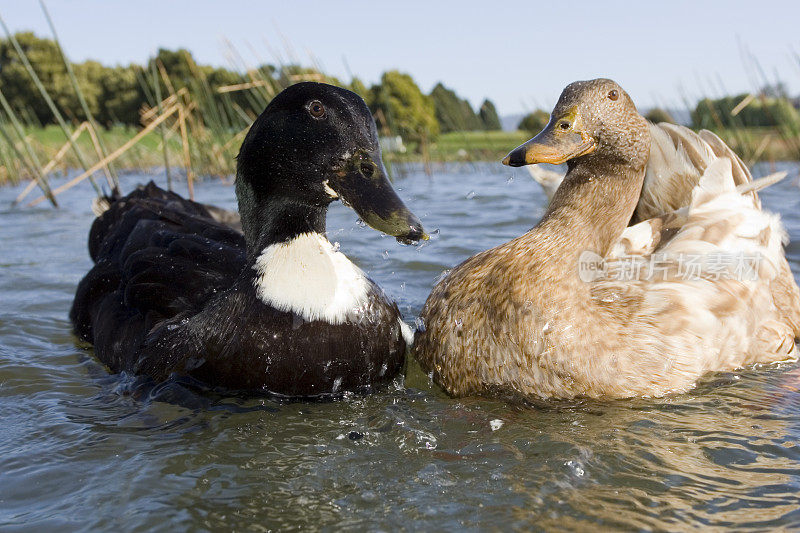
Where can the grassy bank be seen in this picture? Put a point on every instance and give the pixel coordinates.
(214, 155)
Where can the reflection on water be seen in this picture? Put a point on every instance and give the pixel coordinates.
(82, 449)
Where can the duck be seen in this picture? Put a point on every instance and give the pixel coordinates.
(176, 293)
(585, 305)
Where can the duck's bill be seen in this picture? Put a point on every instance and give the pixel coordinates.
(365, 187)
(551, 147)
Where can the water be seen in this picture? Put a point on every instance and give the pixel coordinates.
(81, 449)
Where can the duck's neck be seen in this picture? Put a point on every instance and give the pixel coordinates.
(591, 208)
(278, 221)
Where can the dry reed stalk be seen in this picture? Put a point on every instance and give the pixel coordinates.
(52, 163)
(112, 156)
(242, 86)
(34, 167)
(147, 114)
(187, 161)
(100, 151)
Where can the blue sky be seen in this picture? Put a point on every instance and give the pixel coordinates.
(519, 54)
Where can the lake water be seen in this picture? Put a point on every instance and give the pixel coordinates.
(81, 449)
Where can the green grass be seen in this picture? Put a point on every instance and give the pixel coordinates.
(752, 144)
(467, 146)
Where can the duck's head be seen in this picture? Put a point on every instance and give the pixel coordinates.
(595, 120)
(313, 144)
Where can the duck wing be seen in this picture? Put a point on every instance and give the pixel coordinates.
(678, 159)
(157, 256)
(713, 274)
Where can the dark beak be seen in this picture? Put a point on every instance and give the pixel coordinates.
(362, 184)
(552, 145)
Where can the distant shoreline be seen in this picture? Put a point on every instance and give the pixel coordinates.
(753, 145)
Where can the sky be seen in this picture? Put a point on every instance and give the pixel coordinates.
(518, 54)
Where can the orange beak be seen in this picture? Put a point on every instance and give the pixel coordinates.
(552, 145)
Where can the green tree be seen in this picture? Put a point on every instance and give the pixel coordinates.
(407, 111)
(20, 89)
(488, 116)
(452, 112)
(358, 87)
(534, 122)
(750, 112)
(178, 66)
(121, 96)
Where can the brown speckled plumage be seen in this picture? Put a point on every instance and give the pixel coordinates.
(518, 319)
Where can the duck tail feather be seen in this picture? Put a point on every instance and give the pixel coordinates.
(716, 180)
(760, 183)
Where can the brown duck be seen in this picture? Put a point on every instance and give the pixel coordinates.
(583, 305)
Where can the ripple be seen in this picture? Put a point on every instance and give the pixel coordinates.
(82, 449)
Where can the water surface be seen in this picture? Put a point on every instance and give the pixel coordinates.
(81, 449)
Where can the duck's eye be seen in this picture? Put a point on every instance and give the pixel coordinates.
(316, 109)
(367, 169)
(613, 94)
(563, 125)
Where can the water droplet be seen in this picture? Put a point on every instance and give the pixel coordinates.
(510, 179)
(386, 254)
(495, 424)
(403, 286)
(575, 467)
(441, 276)
(470, 195)
(420, 324)
(336, 384)
(336, 246)
(459, 322)
(361, 223)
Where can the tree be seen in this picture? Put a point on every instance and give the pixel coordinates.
(534, 122)
(178, 64)
(452, 112)
(750, 112)
(658, 114)
(407, 111)
(358, 87)
(488, 116)
(16, 83)
(121, 97)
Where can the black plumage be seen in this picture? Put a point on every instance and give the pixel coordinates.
(172, 292)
